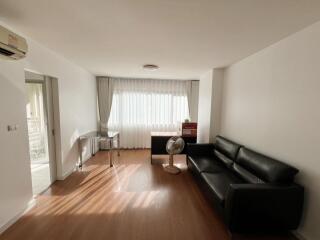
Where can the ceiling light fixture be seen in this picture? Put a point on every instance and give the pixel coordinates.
(150, 67)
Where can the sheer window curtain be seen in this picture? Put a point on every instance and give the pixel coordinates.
(140, 106)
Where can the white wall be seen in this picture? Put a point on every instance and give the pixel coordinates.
(209, 105)
(77, 103)
(218, 75)
(15, 178)
(270, 103)
(194, 101)
(77, 100)
(204, 110)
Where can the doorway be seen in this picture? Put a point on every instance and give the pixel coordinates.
(40, 131)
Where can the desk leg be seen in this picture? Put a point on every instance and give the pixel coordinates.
(80, 153)
(91, 146)
(93, 143)
(118, 144)
(111, 152)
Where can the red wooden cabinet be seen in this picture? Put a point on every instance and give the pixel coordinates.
(189, 129)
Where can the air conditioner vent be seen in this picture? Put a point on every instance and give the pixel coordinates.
(6, 52)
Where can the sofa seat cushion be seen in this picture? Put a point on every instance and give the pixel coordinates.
(206, 164)
(219, 183)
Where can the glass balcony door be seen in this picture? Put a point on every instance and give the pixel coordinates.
(38, 136)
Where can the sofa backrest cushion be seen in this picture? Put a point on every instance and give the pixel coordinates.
(226, 150)
(246, 175)
(265, 168)
(225, 160)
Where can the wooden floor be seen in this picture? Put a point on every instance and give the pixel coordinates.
(132, 200)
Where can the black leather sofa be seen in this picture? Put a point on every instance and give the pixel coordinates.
(252, 192)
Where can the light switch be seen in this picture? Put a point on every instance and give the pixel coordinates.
(11, 128)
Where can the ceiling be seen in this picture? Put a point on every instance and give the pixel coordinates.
(184, 37)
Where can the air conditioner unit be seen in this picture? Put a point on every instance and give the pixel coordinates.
(12, 46)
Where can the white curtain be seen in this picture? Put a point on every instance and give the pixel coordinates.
(189, 96)
(104, 92)
(140, 106)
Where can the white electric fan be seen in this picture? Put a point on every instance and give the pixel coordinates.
(174, 146)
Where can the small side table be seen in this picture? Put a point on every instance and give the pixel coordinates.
(92, 136)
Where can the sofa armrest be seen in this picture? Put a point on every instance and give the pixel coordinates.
(199, 149)
(263, 207)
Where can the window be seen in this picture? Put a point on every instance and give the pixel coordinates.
(141, 106)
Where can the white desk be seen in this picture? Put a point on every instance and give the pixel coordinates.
(92, 136)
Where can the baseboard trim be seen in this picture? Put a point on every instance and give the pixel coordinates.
(67, 174)
(30, 204)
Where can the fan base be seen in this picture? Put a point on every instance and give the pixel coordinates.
(172, 169)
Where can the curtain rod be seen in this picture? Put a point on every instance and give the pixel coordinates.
(127, 78)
